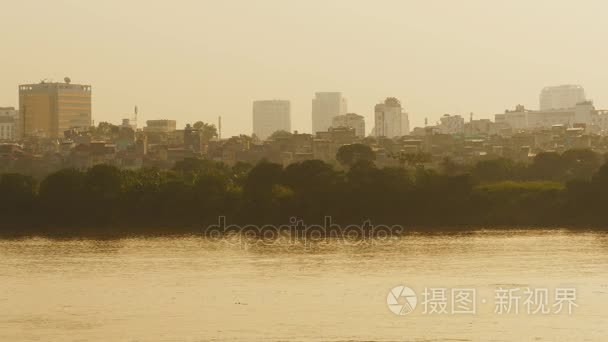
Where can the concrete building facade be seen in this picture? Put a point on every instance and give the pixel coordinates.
(271, 116)
(8, 130)
(522, 119)
(160, 126)
(481, 127)
(350, 120)
(451, 124)
(49, 109)
(9, 118)
(516, 119)
(561, 97)
(9, 112)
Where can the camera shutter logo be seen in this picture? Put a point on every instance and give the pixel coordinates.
(401, 300)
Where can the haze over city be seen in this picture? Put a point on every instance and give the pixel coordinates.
(195, 60)
(303, 170)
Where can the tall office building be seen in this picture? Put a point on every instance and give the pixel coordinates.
(389, 118)
(325, 106)
(49, 109)
(561, 97)
(271, 116)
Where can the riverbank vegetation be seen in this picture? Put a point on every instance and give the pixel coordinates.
(569, 189)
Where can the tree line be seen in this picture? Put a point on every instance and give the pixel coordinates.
(567, 189)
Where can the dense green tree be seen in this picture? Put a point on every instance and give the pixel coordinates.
(190, 169)
(239, 173)
(413, 160)
(16, 187)
(17, 197)
(103, 182)
(104, 130)
(208, 131)
(348, 155)
(581, 163)
(61, 196)
(493, 170)
(547, 166)
(260, 203)
(103, 190)
(315, 185)
(195, 192)
(518, 203)
(449, 167)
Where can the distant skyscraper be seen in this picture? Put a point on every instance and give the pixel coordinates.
(388, 118)
(325, 106)
(351, 120)
(271, 116)
(405, 123)
(561, 97)
(49, 109)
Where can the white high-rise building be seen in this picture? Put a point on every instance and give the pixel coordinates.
(388, 118)
(325, 106)
(271, 116)
(9, 118)
(561, 97)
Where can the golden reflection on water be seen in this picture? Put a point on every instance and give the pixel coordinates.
(174, 289)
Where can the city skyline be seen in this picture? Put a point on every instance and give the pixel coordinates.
(189, 70)
(553, 100)
(304, 170)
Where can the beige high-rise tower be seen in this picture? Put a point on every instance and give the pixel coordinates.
(271, 116)
(325, 106)
(48, 109)
(388, 118)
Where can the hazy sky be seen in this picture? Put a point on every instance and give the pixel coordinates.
(195, 59)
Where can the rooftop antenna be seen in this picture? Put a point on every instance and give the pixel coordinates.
(471, 117)
(426, 122)
(134, 119)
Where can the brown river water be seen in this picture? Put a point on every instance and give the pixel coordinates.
(193, 289)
